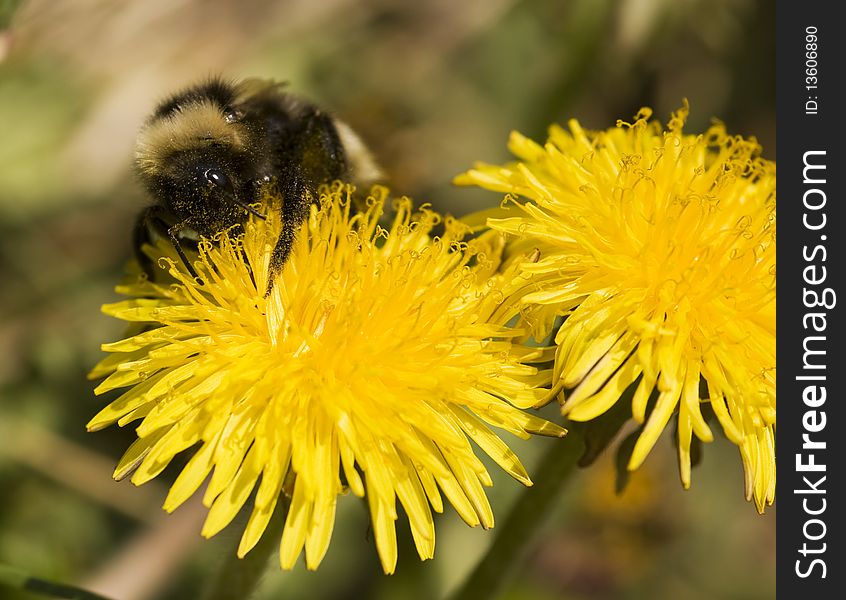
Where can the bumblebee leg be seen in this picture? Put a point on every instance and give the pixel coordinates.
(155, 218)
(141, 236)
(171, 233)
(318, 157)
(295, 205)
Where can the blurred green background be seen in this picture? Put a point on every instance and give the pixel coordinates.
(432, 87)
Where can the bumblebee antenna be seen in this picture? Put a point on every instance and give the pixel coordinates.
(249, 209)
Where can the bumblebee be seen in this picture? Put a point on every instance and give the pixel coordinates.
(209, 152)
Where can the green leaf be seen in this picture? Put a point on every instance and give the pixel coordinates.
(18, 579)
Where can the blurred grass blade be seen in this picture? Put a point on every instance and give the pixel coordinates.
(15, 578)
(7, 10)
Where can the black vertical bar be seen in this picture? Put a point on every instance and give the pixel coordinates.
(811, 260)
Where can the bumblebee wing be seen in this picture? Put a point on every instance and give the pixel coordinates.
(364, 171)
(256, 87)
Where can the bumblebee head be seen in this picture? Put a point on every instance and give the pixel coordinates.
(205, 187)
(195, 158)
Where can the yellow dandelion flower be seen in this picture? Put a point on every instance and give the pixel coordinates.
(373, 359)
(659, 247)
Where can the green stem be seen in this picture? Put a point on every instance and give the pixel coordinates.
(529, 513)
(238, 578)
